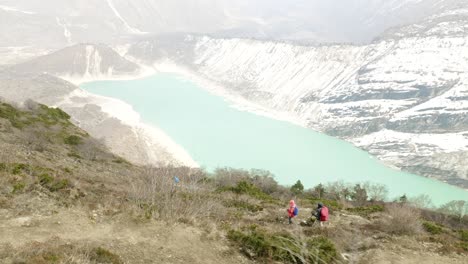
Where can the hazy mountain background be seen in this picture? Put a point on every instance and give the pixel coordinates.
(55, 23)
(386, 75)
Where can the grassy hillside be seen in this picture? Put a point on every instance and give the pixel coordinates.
(65, 199)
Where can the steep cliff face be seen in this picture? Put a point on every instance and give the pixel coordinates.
(403, 98)
(82, 62)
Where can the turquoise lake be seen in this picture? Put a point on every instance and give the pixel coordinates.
(217, 135)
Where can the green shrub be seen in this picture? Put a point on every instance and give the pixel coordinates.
(59, 185)
(250, 189)
(18, 168)
(13, 115)
(19, 186)
(45, 179)
(464, 235)
(322, 250)
(258, 244)
(331, 204)
(432, 228)
(366, 210)
(51, 258)
(297, 188)
(55, 114)
(72, 140)
(73, 154)
(53, 184)
(120, 160)
(283, 247)
(463, 246)
(243, 205)
(102, 255)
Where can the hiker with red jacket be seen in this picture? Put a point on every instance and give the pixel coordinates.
(292, 211)
(321, 213)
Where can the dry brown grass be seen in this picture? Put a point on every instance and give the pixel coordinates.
(401, 220)
(157, 194)
(57, 251)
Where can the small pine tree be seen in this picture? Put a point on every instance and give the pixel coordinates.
(319, 191)
(403, 199)
(359, 194)
(297, 188)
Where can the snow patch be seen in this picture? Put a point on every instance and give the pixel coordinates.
(129, 28)
(12, 9)
(144, 71)
(66, 32)
(448, 142)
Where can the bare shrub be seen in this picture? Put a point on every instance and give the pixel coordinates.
(229, 177)
(421, 201)
(91, 149)
(265, 181)
(402, 220)
(158, 194)
(338, 190)
(458, 209)
(262, 179)
(376, 192)
(441, 217)
(30, 105)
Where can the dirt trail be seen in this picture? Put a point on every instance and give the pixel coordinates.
(153, 242)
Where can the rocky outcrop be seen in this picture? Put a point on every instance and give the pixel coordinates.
(83, 61)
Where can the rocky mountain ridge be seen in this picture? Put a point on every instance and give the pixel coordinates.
(403, 98)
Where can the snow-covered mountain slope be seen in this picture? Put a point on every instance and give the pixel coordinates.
(83, 62)
(403, 98)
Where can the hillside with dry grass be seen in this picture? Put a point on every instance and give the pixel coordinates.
(65, 199)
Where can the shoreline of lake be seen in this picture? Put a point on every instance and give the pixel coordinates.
(175, 115)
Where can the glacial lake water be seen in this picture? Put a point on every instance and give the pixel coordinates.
(216, 134)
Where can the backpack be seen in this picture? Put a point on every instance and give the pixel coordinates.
(324, 214)
(296, 211)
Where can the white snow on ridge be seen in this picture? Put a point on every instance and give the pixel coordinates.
(93, 62)
(450, 102)
(448, 142)
(109, 76)
(12, 9)
(283, 73)
(66, 32)
(127, 26)
(337, 84)
(460, 11)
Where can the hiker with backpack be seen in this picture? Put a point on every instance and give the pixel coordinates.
(321, 213)
(292, 211)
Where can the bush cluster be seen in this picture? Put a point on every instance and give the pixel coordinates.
(260, 244)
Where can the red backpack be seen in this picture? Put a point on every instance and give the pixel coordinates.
(324, 214)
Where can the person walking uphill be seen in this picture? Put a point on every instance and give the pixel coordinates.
(321, 213)
(292, 211)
